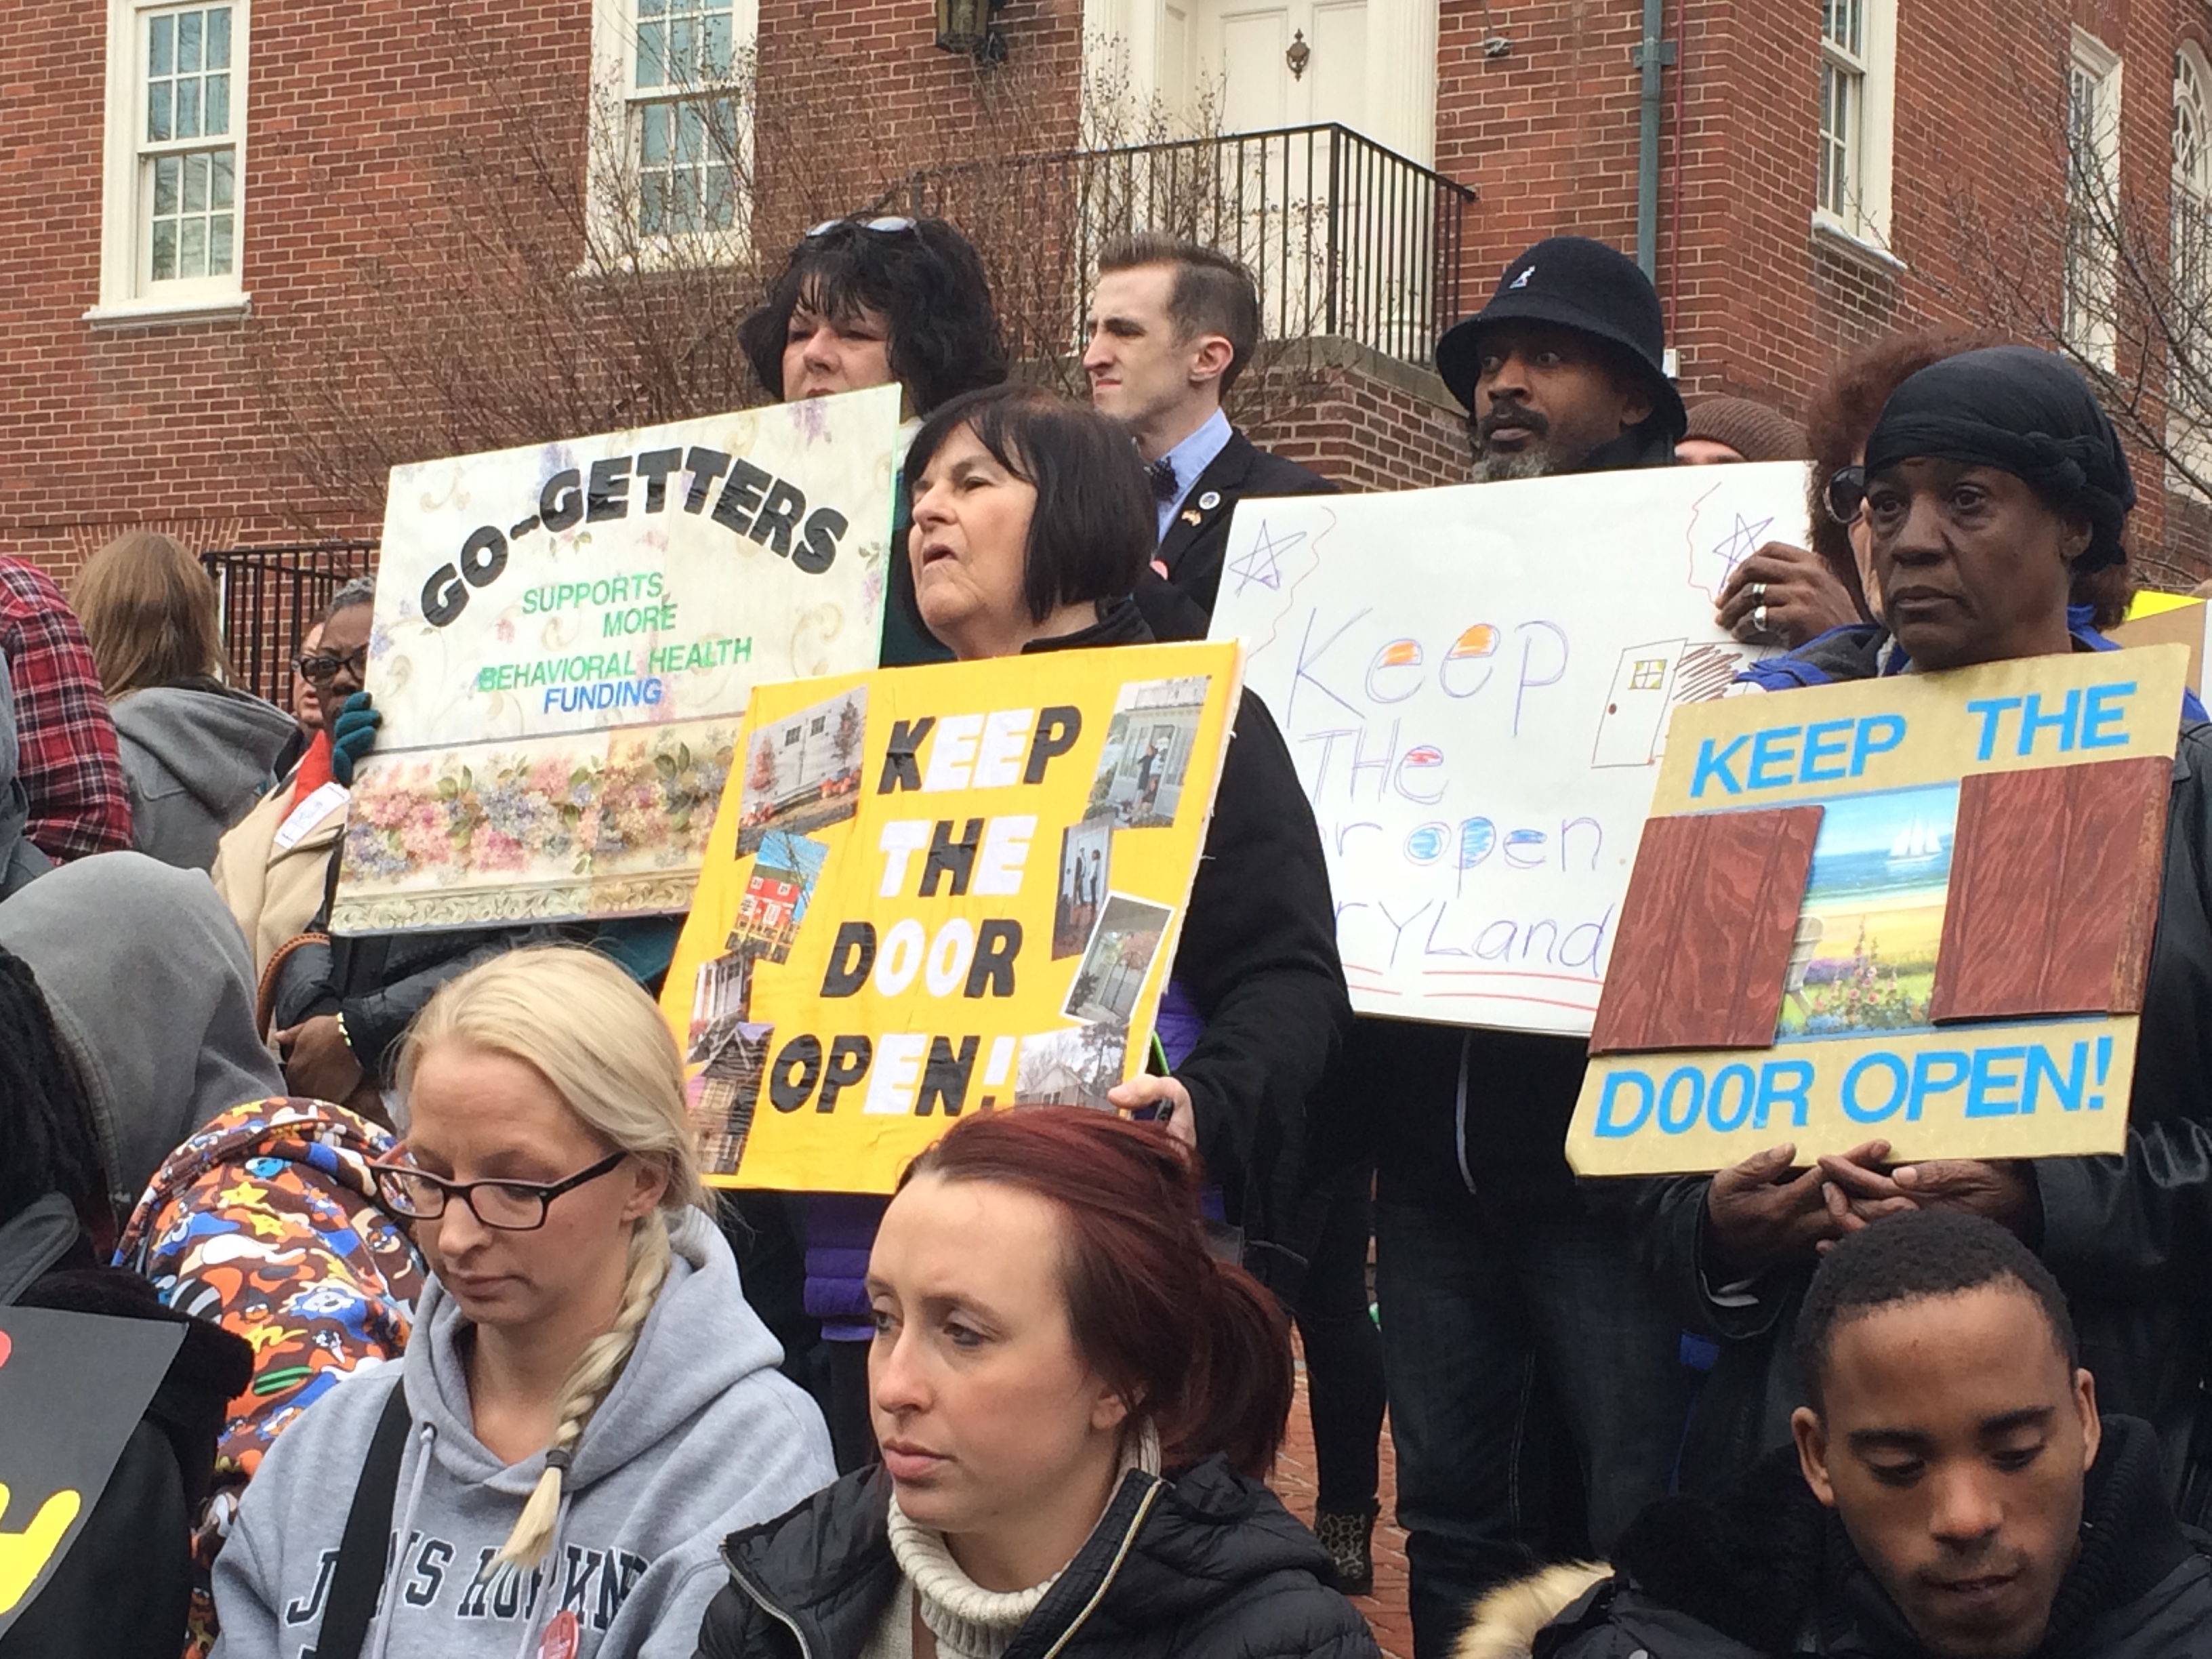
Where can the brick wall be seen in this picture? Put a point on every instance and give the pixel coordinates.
(1362, 420)
(357, 112)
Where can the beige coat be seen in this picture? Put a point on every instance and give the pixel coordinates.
(275, 891)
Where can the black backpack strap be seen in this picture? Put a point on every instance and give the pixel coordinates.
(363, 1551)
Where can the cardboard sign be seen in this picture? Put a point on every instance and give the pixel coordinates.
(1474, 683)
(72, 1389)
(2162, 619)
(940, 890)
(565, 639)
(1918, 909)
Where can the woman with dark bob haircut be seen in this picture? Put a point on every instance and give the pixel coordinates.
(1077, 1403)
(1993, 482)
(1032, 519)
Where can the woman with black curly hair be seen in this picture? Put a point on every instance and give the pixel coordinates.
(861, 303)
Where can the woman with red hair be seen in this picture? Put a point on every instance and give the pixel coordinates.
(1076, 1404)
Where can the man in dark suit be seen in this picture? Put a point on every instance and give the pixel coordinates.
(1171, 326)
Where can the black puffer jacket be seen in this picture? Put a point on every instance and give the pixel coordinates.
(1766, 1570)
(1207, 1566)
(2127, 1237)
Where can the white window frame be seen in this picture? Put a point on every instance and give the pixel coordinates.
(126, 294)
(1865, 216)
(611, 173)
(2089, 331)
(2189, 432)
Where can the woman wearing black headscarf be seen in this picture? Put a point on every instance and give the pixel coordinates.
(1992, 479)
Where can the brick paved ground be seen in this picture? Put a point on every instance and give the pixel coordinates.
(1294, 1482)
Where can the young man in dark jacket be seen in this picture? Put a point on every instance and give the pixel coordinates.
(1952, 1490)
(1504, 1294)
(1171, 326)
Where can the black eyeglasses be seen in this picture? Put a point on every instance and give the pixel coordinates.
(514, 1206)
(321, 665)
(892, 225)
(1846, 494)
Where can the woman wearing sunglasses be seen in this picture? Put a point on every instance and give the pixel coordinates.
(1993, 485)
(587, 1405)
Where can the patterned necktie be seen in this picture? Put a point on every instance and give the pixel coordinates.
(1162, 473)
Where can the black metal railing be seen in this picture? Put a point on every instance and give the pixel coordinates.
(271, 596)
(1345, 238)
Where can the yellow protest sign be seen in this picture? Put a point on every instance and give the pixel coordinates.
(930, 890)
(1916, 908)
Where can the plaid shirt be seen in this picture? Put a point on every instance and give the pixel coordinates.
(68, 759)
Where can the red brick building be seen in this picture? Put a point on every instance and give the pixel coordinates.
(205, 197)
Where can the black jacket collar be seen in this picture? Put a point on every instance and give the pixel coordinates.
(1161, 1555)
(1119, 623)
(1640, 445)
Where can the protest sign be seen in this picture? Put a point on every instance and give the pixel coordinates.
(1916, 908)
(72, 1388)
(932, 891)
(1474, 683)
(565, 639)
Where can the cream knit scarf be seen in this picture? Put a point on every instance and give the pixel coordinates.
(969, 1621)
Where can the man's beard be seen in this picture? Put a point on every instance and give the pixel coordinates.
(1531, 461)
(1534, 458)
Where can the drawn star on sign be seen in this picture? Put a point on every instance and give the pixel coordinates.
(1264, 563)
(1742, 543)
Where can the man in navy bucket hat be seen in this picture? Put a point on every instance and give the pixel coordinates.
(1536, 1390)
(1565, 370)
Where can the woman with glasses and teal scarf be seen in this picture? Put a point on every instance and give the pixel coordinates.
(587, 1405)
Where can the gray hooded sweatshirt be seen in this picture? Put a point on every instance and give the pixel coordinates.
(151, 987)
(196, 758)
(700, 1436)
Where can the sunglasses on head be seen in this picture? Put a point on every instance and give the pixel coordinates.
(893, 225)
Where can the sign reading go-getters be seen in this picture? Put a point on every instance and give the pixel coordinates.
(566, 637)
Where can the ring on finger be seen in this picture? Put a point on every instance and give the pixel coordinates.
(1758, 593)
(1759, 619)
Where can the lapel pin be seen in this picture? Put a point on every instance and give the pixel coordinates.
(1190, 515)
(1209, 501)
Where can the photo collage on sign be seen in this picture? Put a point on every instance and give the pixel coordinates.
(1137, 787)
(802, 774)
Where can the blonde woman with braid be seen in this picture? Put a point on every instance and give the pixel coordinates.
(588, 1406)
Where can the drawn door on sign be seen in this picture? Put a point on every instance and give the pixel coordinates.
(1635, 716)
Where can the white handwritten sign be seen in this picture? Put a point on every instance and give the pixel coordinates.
(1475, 684)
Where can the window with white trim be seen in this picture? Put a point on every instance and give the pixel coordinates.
(2191, 223)
(173, 209)
(1858, 63)
(2189, 299)
(673, 120)
(2092, 180)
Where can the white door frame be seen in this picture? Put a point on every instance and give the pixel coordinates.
(1124, 43)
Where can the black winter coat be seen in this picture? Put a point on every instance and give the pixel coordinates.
(1258, 957)
(1181, 606)
(2127, 1237)
(1767, 1571)
(1209, 1565)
